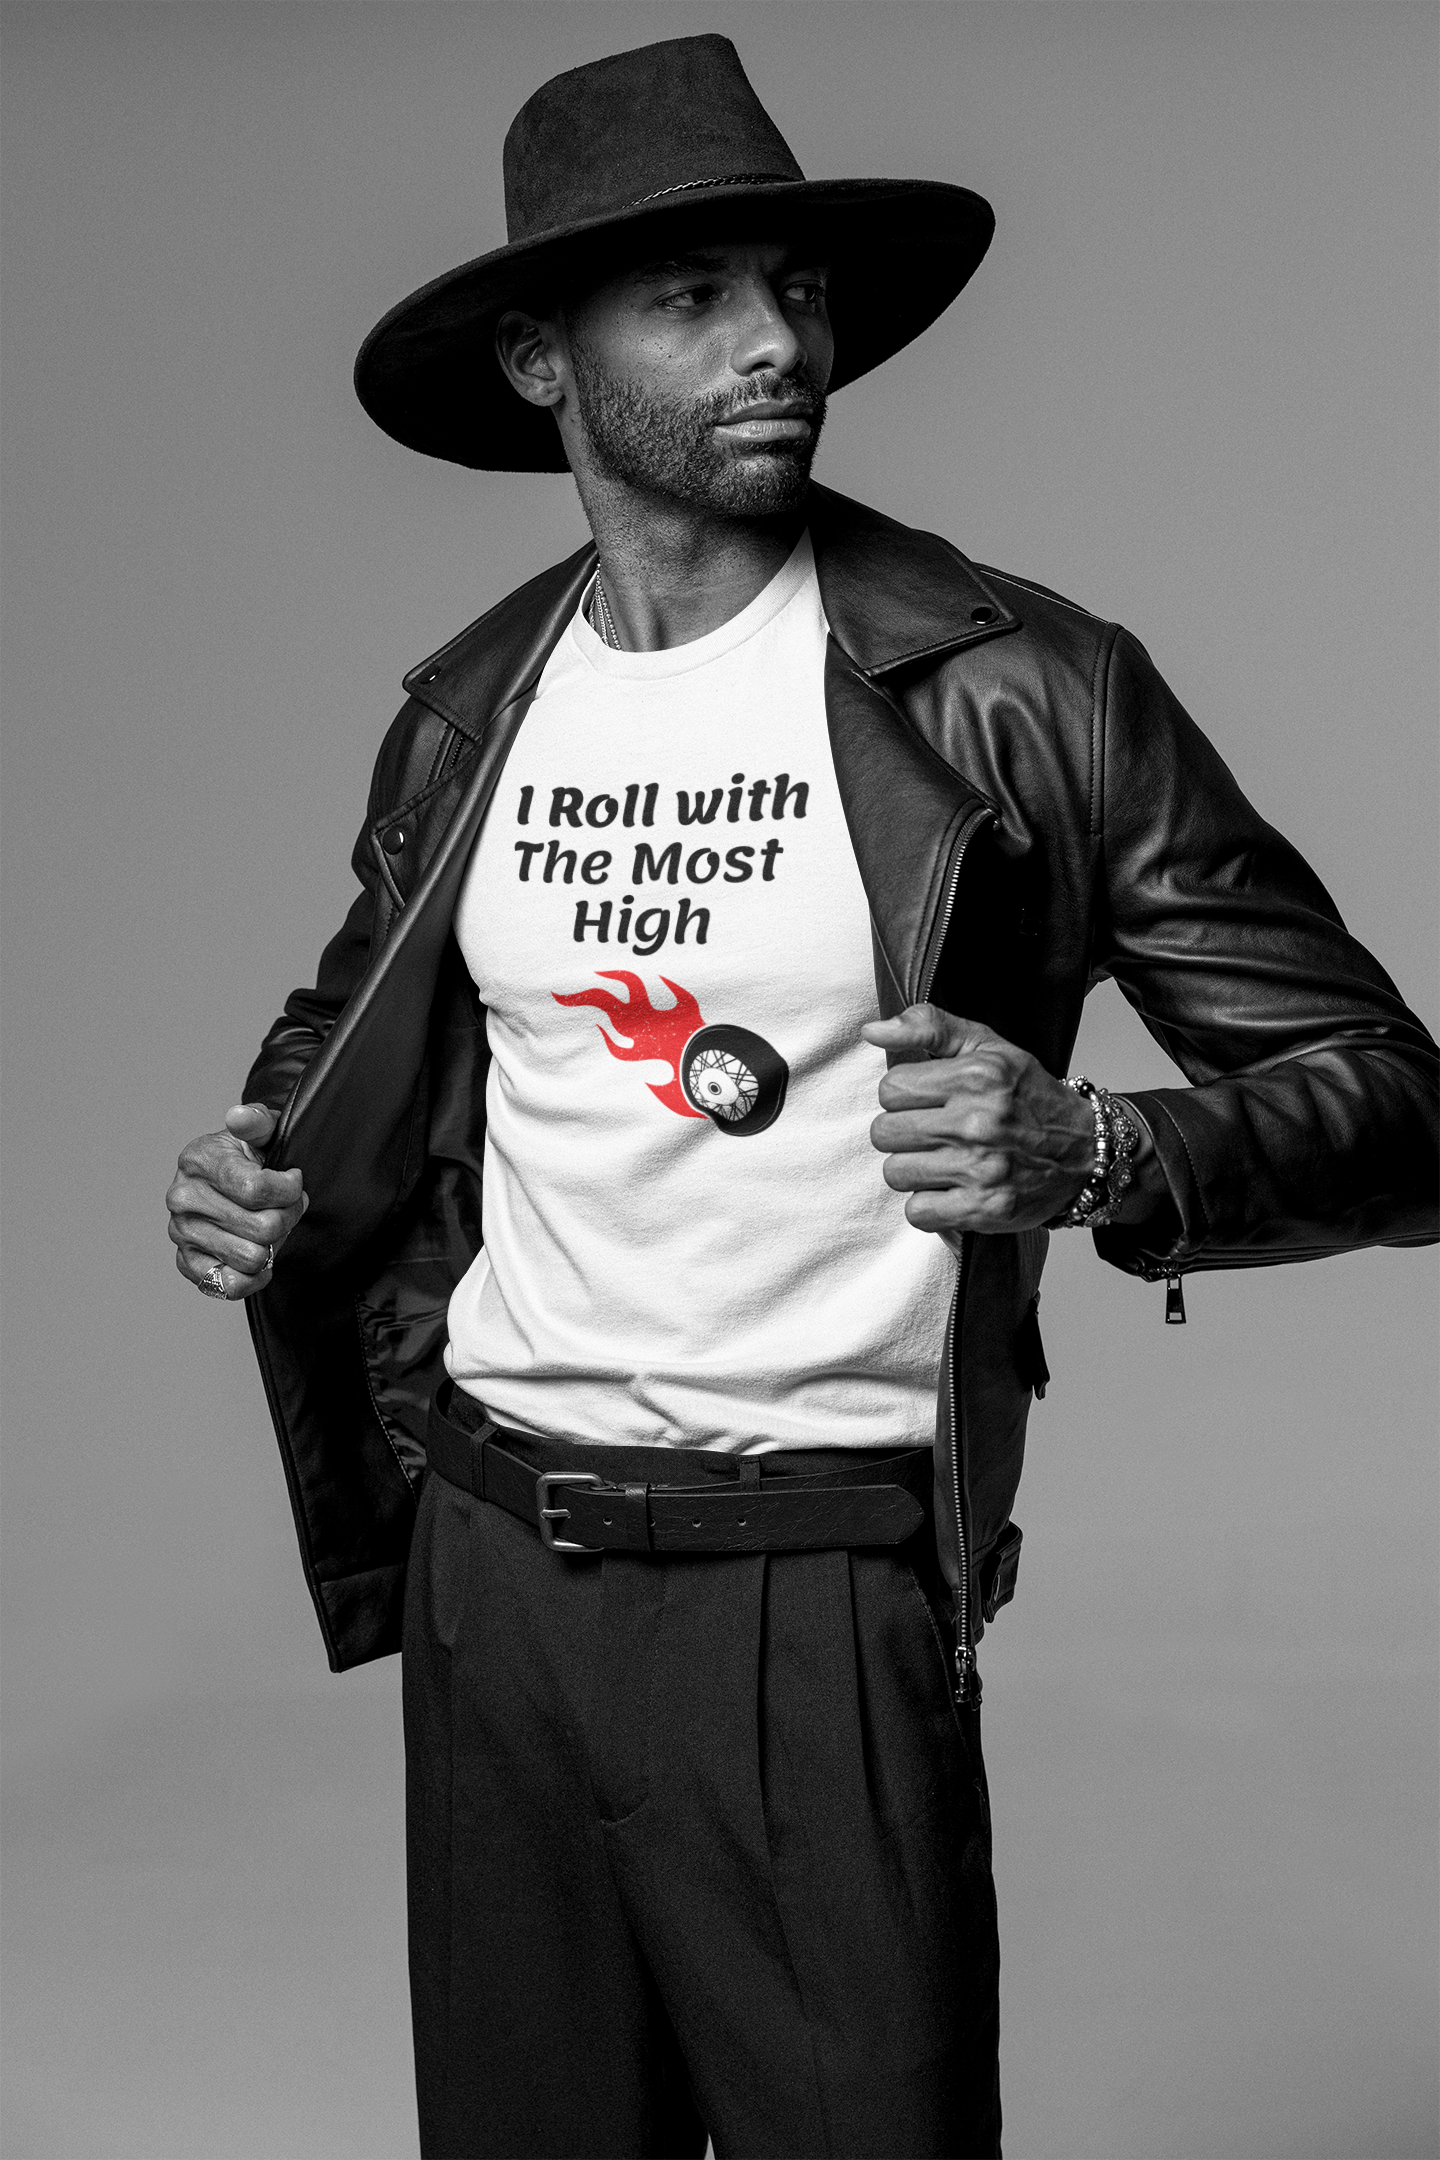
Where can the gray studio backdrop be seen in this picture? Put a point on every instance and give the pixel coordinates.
(1193, 388)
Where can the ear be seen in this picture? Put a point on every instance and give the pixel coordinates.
(530, 353)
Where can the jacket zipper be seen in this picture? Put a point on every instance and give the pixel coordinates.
(967, 1675)
(952, 887)
(1174, 1282)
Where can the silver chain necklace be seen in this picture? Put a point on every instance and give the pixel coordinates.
(601, 619)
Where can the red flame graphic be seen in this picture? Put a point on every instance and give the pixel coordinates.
(650, 1031)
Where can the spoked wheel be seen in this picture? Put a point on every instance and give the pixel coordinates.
(735, 1077)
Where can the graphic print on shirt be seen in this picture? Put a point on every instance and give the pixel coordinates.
(646, 1031)
(730, 1075)
(562, 868)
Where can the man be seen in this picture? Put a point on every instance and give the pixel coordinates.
(677, 856)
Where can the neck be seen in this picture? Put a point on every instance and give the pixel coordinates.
(673, 574)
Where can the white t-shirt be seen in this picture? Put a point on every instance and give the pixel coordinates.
(688, 1239)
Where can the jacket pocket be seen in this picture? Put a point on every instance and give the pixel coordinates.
(998, 1570)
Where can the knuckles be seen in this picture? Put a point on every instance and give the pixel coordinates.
(217, 1161)
(994, 1170)
(242, 1181)
(977, 1124)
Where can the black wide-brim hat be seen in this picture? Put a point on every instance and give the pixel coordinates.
(627, 158)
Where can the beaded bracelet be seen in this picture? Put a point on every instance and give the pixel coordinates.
(1116, 1139)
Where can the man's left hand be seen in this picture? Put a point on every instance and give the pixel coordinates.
(975, 1130)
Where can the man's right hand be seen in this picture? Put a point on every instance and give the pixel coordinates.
(227, 1211)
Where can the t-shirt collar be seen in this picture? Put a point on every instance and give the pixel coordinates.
(788, 582)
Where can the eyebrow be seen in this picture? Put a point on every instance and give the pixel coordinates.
(679, 265)
(703, 261)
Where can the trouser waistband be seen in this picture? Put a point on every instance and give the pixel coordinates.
(583, 1496)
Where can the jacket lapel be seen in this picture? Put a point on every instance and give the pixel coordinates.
(910, 819)
(349, 1119)
(898, 599)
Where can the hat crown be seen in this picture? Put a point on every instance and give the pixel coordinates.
(635, 126)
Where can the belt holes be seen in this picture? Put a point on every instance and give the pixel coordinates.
(695, 1522)
(606, 1520)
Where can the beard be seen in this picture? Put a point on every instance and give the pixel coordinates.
(667, 449)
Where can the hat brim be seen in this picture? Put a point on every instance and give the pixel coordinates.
(898, 251)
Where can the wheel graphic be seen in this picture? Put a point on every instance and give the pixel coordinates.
(735, 1077)
(723, 1086)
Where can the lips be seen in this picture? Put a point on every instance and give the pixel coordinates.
(769, 422)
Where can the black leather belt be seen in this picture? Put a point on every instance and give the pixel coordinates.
(756, 1506)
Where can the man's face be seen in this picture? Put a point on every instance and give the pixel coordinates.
(701, 379)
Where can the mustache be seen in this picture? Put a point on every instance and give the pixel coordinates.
(799, 389)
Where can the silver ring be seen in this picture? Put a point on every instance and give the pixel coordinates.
(212, 1282)
(269, 1258)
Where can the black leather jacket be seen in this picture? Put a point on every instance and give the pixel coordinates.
(1031, 811)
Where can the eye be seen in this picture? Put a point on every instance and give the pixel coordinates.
(806, 291)
(687, 297)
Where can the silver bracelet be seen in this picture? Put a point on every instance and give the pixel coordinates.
(1116, 1139)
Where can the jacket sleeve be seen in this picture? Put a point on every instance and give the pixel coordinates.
(309, 1015)
(1311, 1123)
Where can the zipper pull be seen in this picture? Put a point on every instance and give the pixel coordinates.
(1174, 1301)
(968, 1691)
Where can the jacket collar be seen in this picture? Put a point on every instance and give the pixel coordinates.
(502, 656)
(892, 596)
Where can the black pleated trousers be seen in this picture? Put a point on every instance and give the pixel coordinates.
(695, 1844)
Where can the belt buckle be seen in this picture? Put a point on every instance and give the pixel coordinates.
(545, 1484)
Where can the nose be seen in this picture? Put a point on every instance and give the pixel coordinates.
(765, 343)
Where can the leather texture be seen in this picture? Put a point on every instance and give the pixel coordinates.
(1031, 811)
(718, 1508)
